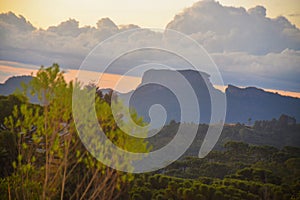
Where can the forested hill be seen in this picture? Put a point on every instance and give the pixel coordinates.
(277, 133)
(257, 162)
(240, 172)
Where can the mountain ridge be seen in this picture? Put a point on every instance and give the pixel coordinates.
(242, 103)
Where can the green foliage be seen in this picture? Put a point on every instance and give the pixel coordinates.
(277, 136)
(234, 173)
(42, 154)
(235, 170)
(7, 105)
(8, 152)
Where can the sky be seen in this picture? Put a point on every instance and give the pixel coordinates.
(145, 13)
(109, 79)
(253, 42)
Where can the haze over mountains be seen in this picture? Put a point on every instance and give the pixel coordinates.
(244, 105)
(13, 83)
(257, 104)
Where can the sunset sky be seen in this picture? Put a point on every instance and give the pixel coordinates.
(108, 80)
(253, 42)
(154, 13)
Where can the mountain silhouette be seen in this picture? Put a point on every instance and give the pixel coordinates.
(244, 105)
(150, 93)
(13, 84)
(256, 104)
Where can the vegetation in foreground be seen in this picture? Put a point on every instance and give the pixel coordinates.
(41, 154)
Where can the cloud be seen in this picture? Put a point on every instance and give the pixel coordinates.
(258, 11)
(248, 47)
(67, 28)
(273, 70)
(106, 23)
(294, 15)
(128, 27)
(66, 43)
(219, 28)
(11, 22)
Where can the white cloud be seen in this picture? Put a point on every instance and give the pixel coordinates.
(67, 28)
(273, 70)
(66, 43)
(221, 28)
(11, 22)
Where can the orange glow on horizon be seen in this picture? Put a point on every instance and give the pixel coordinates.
(284, 93)
(108, 80)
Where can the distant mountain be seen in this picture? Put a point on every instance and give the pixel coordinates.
(151, 93)
(243, 105)
(13, 83)
(256, 104)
